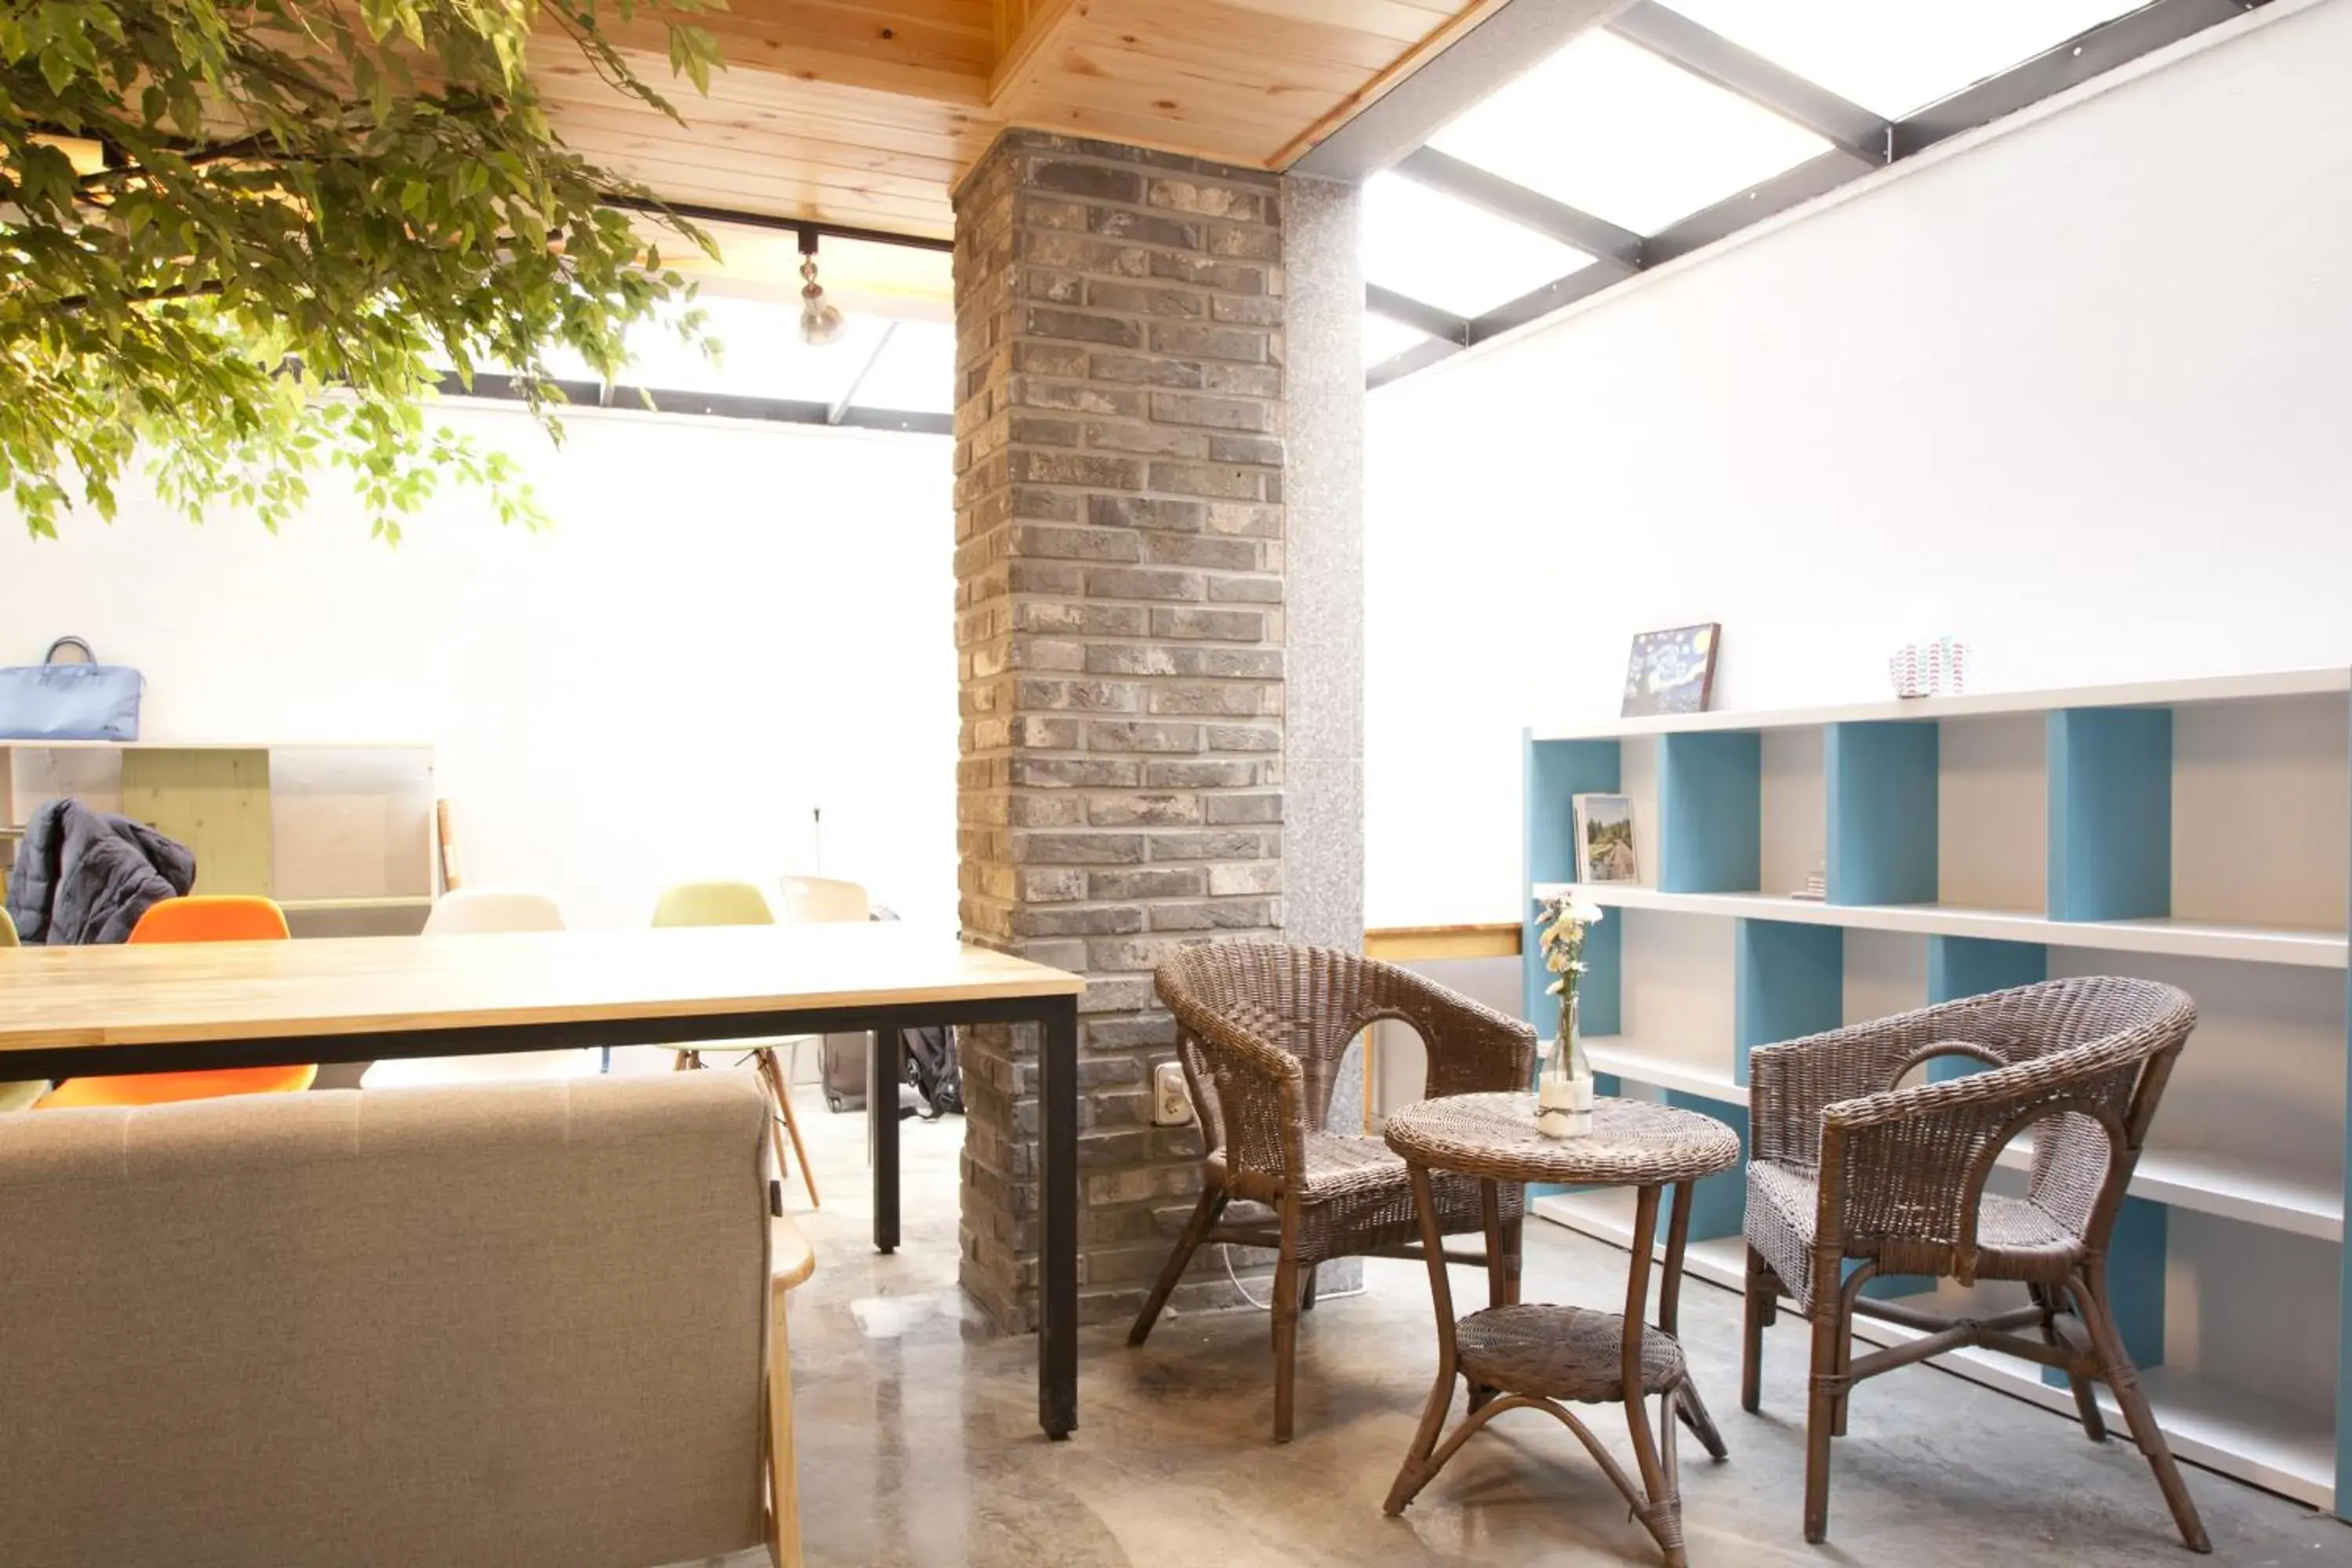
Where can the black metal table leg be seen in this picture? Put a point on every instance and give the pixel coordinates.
(882, 1075)
(1057, 1337)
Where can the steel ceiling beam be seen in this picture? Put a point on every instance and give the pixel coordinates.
(1418, 357)
(1618, 249)
(1846, 125)
(710, 404)
(841, 405)
(2078, 60)
(1442, 325)
(1786, 189)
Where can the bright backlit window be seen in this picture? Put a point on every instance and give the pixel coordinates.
(1892, 58)
(1609, 128)
(1448, 254)
(915, 372)
(761, 354)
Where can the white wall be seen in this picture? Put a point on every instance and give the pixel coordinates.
(2073, 390)
(728, 625)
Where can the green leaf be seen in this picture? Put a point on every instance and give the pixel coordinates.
(310, 204)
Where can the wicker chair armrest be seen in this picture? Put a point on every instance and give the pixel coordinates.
(1911, 1163)
(1256, 1122)
(1473, 1049)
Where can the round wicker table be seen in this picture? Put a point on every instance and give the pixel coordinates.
(1514, 1355)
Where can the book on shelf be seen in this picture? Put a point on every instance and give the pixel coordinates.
(1604, 838)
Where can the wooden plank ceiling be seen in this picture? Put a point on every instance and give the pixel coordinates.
(864, 112)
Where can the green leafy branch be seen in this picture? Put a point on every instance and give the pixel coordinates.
(245, 238)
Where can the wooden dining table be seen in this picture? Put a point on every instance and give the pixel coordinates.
(83, 1012)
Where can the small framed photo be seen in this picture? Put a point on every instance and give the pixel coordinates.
(1672, 671)
(1604, 838)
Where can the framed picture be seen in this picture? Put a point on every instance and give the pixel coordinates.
(1672, 671)
(1604, 838)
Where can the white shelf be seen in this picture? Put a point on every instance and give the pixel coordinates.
(2310, 949)
(57, 745)
(1985, 704)
(1606, 1214)
(2232, 1188)
(2282, 1449)
(1622, 1057)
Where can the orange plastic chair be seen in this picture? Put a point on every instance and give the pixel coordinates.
(203, 917)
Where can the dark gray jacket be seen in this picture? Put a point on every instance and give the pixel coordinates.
(84, 876)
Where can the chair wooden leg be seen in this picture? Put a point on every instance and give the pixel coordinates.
(1306, 1290)
(2115, 1367)
(783, 1473)
(1821, 1408)
(779, 1085)
(1286, 1321)
(2053, 1302)
(1763, 1305)
(1204, 1214)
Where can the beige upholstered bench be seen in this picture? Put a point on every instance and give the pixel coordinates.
(498, 1325)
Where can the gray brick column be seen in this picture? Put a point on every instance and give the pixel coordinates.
(1119, 601)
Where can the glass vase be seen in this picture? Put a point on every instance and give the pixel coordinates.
(1564, 1096)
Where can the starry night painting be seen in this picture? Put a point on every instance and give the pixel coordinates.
(1672, 671)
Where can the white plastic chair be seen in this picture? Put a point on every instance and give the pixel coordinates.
(818, 900)
(475, 911)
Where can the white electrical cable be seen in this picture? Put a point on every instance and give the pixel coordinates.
(1226, 1251)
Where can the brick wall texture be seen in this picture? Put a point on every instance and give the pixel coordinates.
(1120, 631)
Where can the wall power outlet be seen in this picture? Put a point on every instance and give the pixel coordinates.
(1170, 1106)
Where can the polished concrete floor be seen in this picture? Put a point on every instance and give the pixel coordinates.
(918, 1444)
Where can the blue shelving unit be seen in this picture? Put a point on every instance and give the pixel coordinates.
(2109, 771)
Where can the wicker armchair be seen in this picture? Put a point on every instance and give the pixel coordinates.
(1849, 1169)
(1260, 1029)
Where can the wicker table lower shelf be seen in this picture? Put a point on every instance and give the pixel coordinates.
(1561, 1352)
(1515, 1356)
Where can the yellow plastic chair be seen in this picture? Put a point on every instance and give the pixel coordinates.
(739, 904)
(16, 1096)
(201, 917)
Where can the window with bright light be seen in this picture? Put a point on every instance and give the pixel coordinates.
(1613, 129)
(1449, 254)
(1895, 58)
(760, 353)
(915, 371)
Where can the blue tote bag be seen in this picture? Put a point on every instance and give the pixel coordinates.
(69, 701)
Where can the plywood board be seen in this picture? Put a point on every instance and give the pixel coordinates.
(813, 91)
(352, 823)
(214, 801)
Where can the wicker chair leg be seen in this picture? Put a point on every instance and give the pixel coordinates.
(1213, 1203)
(2121, 1376)
(1306, 1290)
(1286, 1321)
(1830, 1326)
(2052, 1299)
(1763, 1308)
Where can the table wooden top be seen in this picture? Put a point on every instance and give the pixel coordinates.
(159, 994)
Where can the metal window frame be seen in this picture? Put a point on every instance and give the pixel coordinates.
(502, 388)
(1859, 141)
